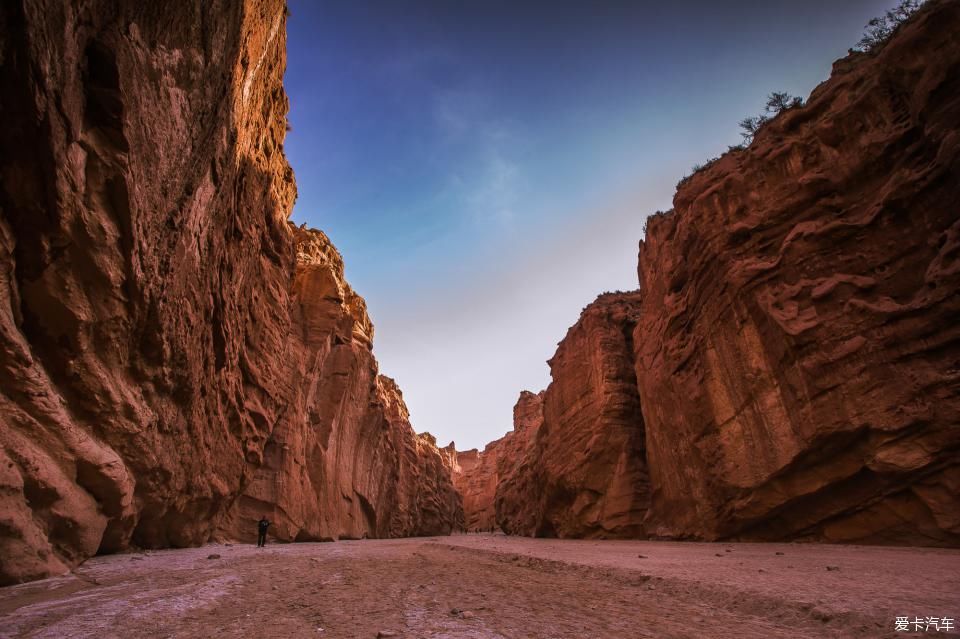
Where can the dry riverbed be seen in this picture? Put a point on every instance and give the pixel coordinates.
(491, 586)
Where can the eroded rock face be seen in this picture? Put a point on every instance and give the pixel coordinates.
(476, 486)
(798, 344)
(476, 481)
(583, 474)
(342, 460)
(149, 340)
(477, 475)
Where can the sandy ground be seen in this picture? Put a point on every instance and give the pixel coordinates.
(491, 586)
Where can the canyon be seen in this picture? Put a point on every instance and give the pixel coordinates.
(790, 366)
(176, 358)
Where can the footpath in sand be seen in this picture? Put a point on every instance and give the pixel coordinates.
(491, 586)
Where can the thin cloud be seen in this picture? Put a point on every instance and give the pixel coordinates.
(487, 180)
(463, 354)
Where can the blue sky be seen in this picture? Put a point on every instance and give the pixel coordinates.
(486, 167)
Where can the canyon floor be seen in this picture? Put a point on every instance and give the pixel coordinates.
(483, 586)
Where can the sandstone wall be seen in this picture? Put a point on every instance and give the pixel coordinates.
(475, 478)
(583, 473)
(342, 460)
(161, 351)
(478, 475)
(796, 342)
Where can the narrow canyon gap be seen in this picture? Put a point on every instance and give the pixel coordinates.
(177, 359)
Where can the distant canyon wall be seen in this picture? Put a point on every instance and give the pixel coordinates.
(790, 369)
(478, 475)
(584, 472)
(175, 358)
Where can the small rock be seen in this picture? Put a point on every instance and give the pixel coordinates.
(831, 568)
(467, 615)
(213, 556)
(779, 553)
(718, 555)
(761, 570)
(385, 634)
(729, 550)
(275, 587)
(651, 587)
(454, 611)
(228, 545)
(642, 557)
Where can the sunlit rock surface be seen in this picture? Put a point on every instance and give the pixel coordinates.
(173, 354)
(342, 460)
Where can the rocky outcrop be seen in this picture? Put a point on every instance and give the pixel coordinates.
(798, 344)
(476, 481)
(796, 338)
(342, 460)
(477, 475)
(173, 355)
(516, 464)
(583, 474)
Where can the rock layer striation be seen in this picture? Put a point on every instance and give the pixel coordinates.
(479, 475)
(175, 358)
(791, 366)
(798, 349)
(583, 472)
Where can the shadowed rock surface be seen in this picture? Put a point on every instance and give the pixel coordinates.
(475, 478)
(174, 356)
(478, 475)
(796, 341)
(583, 474)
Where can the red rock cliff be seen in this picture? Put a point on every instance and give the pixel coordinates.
(584, 472)
(342, 461)
(478, 475)
(171, 351)
(797, 343)
(475, 479)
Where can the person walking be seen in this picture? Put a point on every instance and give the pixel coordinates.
(262, 526)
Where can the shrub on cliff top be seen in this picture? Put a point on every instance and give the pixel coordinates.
(879, 29)
(780, 101)
(777, 103)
